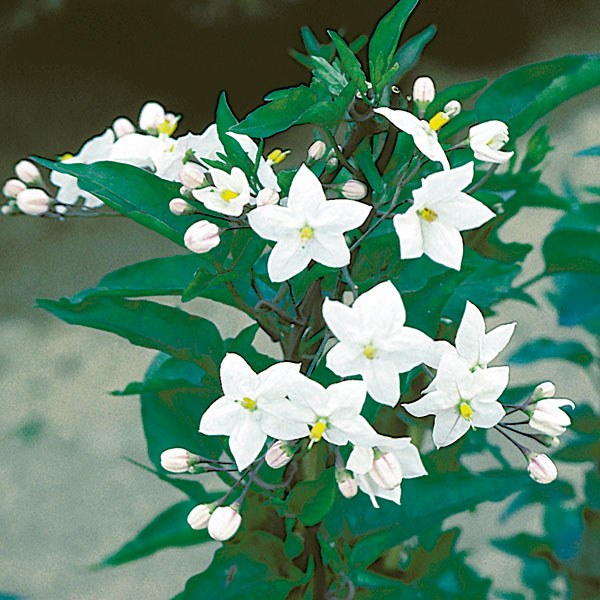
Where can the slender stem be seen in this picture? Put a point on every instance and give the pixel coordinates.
(353, 286)
(319, 353)
(477, 185)
(278, 311)
(338, 154)
(532, 436)
(532, 280)
(523, 449)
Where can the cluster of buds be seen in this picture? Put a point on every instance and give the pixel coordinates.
(222, 521)
(33, 201)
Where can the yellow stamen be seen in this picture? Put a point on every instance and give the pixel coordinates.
(167, 126)
(370, 352)
(228, 195)
(276, 156)
(306, 233)
(248, 403)
(317, 431)
(66, 156)
(466, 412)
(428, 214)
(438, 120)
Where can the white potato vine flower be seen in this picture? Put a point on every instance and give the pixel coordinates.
(548, 417)
(363, 463)
(229, 194)
(309, 228)
(423, 135)
(487, 138)
(461, 399)
(441, 210)
(374, 343)
(254, 406)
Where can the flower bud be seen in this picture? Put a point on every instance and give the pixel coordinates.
(266, 197)
(541, 468)
(386, 471)
(191, 175)
(279, 454)
(13, 187)
(548, 417)
(316, 151)
(123, 126)
(27, 172)
(346, 483)
(331, 164)
(33, 202)
(199, 516)
(151, 117)
(453, 108)
(178, 460)
(354, 190)
(201, 237)
(544, 390)
(178, 206)
(423, 93)
(9, 209)
(224, 522)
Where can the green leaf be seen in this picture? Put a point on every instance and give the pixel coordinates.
(312, 500)
(544, 348)
(385, 38)
(364, 159)
(573, 250)
(577, 300)
(133, 192)
(146, 324)
(522, 96)
(350, 62)
(167, 530)
(408, 55)
(538, 147)
(368, 549)
(314, 47)
(330, 75)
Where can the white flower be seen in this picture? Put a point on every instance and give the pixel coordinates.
(541, 468)
(224, 522)
(399, 452)
(154, 120)
(333, 413)
(309, 228)
(461, 399)
(548, 417)
(95, 149)
(487, 138)
(229, 194)
(423, 135)
(254, 406)
(374, 342)
(432, 225)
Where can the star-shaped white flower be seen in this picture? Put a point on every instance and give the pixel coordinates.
(441, 210)
(229, 194)
(461, 399)
(309, 228)
(254, 406)
(374, 343)
(362, 462)
(424, 137)
(487, 138)
(332, 413)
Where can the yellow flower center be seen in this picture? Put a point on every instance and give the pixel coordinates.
(317, 430)
(66, 156)
(466, 412)
(228, 195)
(438, 120)
(248, 403)
(370, 352)
(167, 126)
(428, 214)
(276, 156)
(306, 233)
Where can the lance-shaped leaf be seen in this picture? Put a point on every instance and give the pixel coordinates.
(408, 54)
(351, 64)
(544, 348)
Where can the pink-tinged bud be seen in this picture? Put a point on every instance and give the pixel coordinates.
(316, 151)
(224, 522)
(201, 237)
(541, 468)
(452, 109)
(386, 471)
(423, 93)
(199, 516)
(279, 454)
(191, 175)
(178, 206)
(122, 127)
(10, 208)
(548, 417)
(152, 116)
(266, 197)
(13, 187)
(544, 390)
(354, 190)
(34, 202)
(178, 460)
(27, 172)
(346, 483)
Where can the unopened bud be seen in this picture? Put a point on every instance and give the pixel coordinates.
(224, 522)
(453, 108)
(550, 441)
(266, 197)
(276, 156)
(541, 468)
(331, 164)
(548, 417)
(151, 116)
(27, 172)
(10, 208)
(199, 516)
(279, 454)
(191, 175)
(178, 460)
(122, 127)
(178, 206)
(316, 151)
(354, 190)
(386, 471)
(544, 390)
(201, 237)
(13, 187)
(423, 93)
(346, 483)
(33, 202)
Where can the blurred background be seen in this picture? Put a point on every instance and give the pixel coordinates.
(68, 68)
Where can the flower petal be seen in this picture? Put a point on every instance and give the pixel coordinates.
(274, 222)
(488, 384)
(495, 341)
(430, 404)
(237, 377)
(463, 212)
(306, 192)
(346, 359)
(360, 460)
(443, 244)
(287, 258)
(487, 414)
(246, 441)
(470, 335)
(383, 381)
(448, 427)
(339, 216)
(408, 229)
(342, 321)
(221, 417)
(328, 249)
(379, 310)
